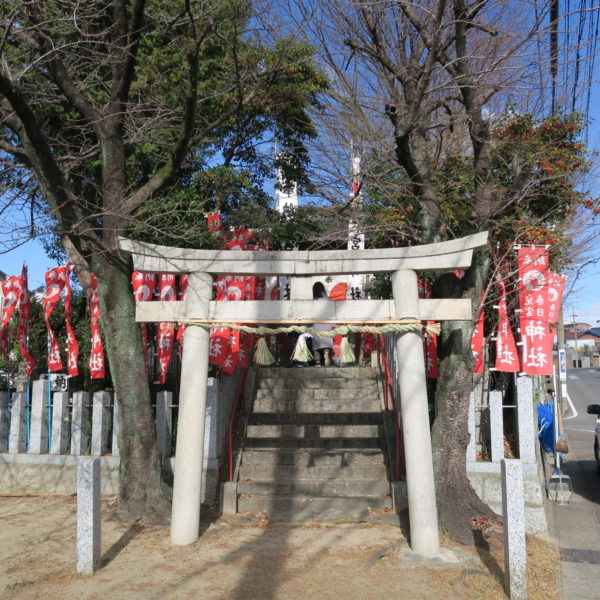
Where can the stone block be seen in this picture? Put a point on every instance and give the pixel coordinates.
(38, 429)
(492, 487)
(60, 423)
(476, 481)
(513, 513)
(229, 498)
(17, 440)
(100, 423)
(88, 516)
(4, 421)
(399, 496)
(81, 423)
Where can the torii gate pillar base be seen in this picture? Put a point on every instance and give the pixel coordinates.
(422, 509)
(187, 485)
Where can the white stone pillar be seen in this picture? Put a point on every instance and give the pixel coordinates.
(4, 423)
(17, 441)
(513, 514)
(187, 493)
(89, 555)
(81, 426)
(164, 422)
(420, 484)
(38, 432)
(100, 423)
(60, 423)
(472, 447)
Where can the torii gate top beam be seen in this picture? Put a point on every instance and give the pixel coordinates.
(443, 256)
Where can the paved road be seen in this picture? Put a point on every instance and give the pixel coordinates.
(577, 526)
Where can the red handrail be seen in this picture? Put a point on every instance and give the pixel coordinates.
(388, 390)
(227, 445)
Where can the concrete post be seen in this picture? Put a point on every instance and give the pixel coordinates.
(164, 422)
(526, 420)
(17, 441)
(88, 516)
(496, 426)
(81, 426)
(187, 493)
(513, 514)
(38, 436)
(100, 423)
(116, 427)
(4, 423)
(472, 447)
(422, 510)
(60, 423)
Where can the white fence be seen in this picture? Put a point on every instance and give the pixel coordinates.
(43, 433)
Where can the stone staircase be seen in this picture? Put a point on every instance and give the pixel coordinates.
(313, 446)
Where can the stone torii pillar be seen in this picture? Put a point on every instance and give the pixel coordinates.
(420, 485)
(189, 453)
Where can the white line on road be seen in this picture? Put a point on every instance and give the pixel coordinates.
(573, 376)
(573, 429)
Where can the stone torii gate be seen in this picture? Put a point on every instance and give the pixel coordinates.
(402, 263)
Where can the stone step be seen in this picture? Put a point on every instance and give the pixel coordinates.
(288, 507)
(312, 431)
(266, 373)
(310, 383)
(275, 472)
(310, 405)
(315, 489)
(314, 442)
(316, 418)
(312, 458)
(337, 395)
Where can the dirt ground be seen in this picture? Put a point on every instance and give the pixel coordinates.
(245, 558)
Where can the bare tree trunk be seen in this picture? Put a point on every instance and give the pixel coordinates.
(458, 504)
(141, 489)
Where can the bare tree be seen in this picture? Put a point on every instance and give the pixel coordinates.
(414, 84)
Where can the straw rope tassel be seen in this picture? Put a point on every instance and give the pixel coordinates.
(346, 352)
(301, 351)
(262, 355)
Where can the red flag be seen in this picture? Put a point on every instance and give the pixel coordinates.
(181, 326)
(166, 330)
(219, 342)
(11, 290)
(532, 263)
(507, 357)
(72, 345)
(477, 340)
(24, 315)
(97, 366)
(143, 291)
(55, 283)
(214, 222)
(430, 349)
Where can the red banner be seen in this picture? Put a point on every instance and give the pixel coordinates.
(11, 290)
(143, 291)
(181, 326)
(97, 366)
(22, 328)
(477, 340)
(214, 222)
(507, 357)
(536, 337)
(165, 337)
(72, 345)
(430, 349)
(55, 283)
